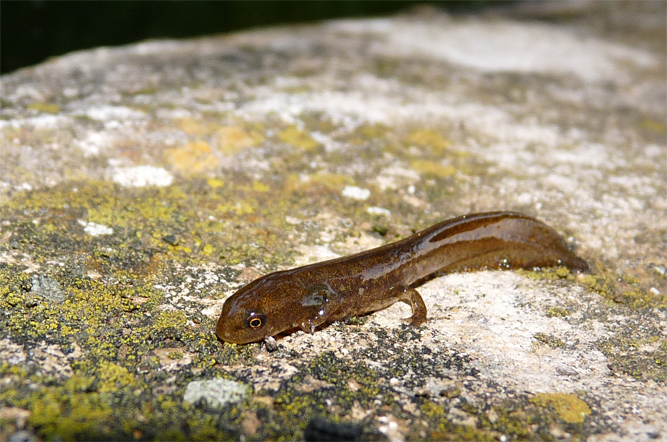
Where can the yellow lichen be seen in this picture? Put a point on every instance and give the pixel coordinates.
(298, 138)
(331, 180)
(68, 416)
(433, 168)
(175, 355)
(430, 140)
(215, 183)
(654, 126)
(113, 377)
(568, 407)
(260, 187)
(238, 207)
(232, 139)
(45, 107)
(193, 157)
(194, 126)
(170, 319)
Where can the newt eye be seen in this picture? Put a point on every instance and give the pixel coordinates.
(255, 321)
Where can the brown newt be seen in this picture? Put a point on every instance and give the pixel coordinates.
(309, 296)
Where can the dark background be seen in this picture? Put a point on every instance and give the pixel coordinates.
(33, 30)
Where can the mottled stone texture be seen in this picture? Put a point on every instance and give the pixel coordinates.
(141, 185)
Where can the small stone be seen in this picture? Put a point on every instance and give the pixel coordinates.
(170, 239)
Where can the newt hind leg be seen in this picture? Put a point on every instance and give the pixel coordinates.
(416, 302)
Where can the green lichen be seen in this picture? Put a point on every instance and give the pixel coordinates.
(429, 168)
(557, 312)
(548, 274)
(550, 340)
(640, 353)
(429, 139)
(298, 138)
(626, 290)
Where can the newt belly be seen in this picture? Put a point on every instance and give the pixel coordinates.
(309, 296)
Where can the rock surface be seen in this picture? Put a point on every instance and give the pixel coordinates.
(141, 185)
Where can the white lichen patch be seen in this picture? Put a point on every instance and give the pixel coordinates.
(93, 143)
(503, 45)
(39, 122)
(95, 229)
(110, 113)
(215, 393)
(373, 210)
(142, 176)
(356, 193)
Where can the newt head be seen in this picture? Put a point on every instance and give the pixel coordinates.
(272, 304)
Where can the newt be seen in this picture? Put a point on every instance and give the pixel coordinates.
(328, 291)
